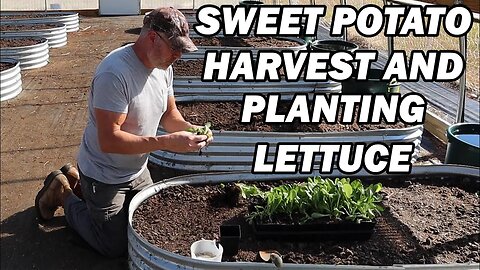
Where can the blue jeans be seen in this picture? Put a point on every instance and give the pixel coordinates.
(101, 220)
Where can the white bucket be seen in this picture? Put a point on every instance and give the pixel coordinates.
(206, 250)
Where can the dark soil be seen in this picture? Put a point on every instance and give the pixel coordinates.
(19, 42)
(188, 68)
(5, 66)
(24, 27)
(422, 223)
(226, 116)
(257, 42)
(195, 68)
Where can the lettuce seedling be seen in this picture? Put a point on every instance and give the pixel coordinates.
(205, 130)
(317, 198)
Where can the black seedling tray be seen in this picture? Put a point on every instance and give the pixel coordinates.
(342, 231)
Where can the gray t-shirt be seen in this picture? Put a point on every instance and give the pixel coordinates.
(123, 84)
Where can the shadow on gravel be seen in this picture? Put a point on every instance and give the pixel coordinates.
(26, 244)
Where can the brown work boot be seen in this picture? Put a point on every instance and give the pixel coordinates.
(73, 178)
(50, 197)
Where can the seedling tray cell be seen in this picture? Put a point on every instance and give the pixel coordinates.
(345, 231)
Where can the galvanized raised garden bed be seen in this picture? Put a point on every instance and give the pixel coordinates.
(144, 255)
(10, 80)
(56, 36)
(69, 19)
(33, 56)
(234, 150)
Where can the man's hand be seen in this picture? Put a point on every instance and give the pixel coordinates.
(209, 136)
(184, 141)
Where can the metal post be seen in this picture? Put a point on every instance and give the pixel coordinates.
(463, 82)
(463, 79)
(345, 38)
(390, 40)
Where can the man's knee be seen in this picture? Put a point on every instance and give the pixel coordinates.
(115, 246)
(116, 251)
(113, 236)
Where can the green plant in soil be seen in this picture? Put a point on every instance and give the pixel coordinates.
(315, 199)
(205, 130)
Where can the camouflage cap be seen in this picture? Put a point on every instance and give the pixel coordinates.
(173, 23)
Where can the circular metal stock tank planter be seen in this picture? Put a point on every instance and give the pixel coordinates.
(69, 19)
(32, 56)
(10, 80)
(144, 255)
(235, 150)
(56, 36)
(463, 144)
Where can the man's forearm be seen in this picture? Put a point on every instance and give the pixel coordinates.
(121, 142)
(173, 121)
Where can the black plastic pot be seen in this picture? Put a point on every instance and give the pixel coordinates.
(343, 231)
(333, 46)
(463, 144)
(250, 3)
(230, 239)
(373, 85)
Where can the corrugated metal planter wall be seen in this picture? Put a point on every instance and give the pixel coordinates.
(193, 89)
(57, 36)
(10, 80)
(144, 255)
(234, 150)
(70, 19)
(34, 56)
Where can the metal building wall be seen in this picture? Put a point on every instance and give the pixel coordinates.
(150, 4)
(25, 5)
